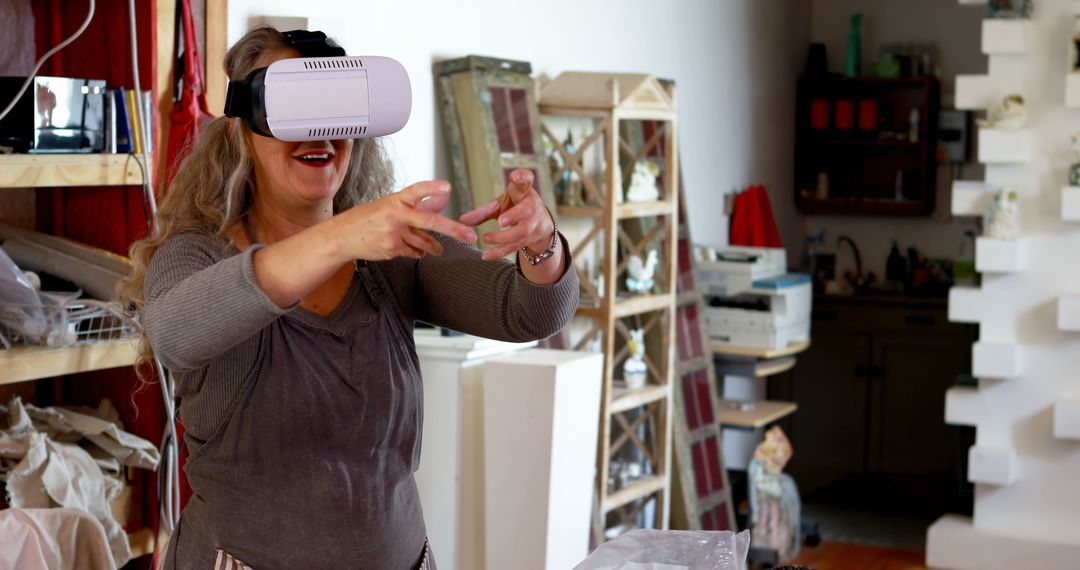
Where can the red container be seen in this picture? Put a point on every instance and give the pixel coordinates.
(869, 115)
(819, 114)
(845, 115)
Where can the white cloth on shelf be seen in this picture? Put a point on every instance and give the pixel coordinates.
(53, 539)
(44, 465)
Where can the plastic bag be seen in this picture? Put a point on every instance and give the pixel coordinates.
(20, 306)
(647, 549)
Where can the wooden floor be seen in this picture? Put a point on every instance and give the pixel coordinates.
(840, 556)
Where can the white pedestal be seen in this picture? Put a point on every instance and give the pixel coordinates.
(1072, 90)
(450, 477)
(996, 360)
(1069, 313)
(1000, 255)
(1067, 419)
(540, 435)
(953, 543)
(962, 406)
(1070, 204)
(1003, 146)
(1007, 37)
(970, 198)
(992, 465)
(965, 305)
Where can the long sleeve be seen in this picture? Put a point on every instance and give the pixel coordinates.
(492, 299)
(199, 305)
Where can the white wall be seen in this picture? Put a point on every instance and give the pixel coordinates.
(731, 59)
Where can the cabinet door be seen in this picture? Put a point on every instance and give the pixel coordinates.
(828, 430)
(912, 452)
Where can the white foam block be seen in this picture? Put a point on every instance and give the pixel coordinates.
(996, 360)
(965, 305)
(992, 465)
(954, 543)
(1069, 313)
(978, 92)
(1006, 36)
(999, 255)
(1002, 146)
(1070, 203)
(1067, 419)
(1072, 90)
(962, 406)
(970, 198)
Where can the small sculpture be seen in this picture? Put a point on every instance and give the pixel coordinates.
(1010, 114)
(1010, 9)
(641, 279)
(643, 182)
(1003, 215)
(1074, 169)
(634, 369)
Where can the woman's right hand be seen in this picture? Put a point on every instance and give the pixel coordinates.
(396, 225)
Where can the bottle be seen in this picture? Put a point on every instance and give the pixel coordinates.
(913, 126)
(854, 48)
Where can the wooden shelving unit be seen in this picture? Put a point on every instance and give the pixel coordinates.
(633, 424)
(24, 363)
(763, 413)
(49, 170)
(790, 350)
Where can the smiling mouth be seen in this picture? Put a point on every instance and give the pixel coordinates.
(315, 158)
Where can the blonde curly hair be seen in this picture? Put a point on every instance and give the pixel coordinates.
(213, 186)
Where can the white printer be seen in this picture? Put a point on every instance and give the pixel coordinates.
(752, 301)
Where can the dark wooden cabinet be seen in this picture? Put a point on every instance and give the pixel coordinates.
(870, 431)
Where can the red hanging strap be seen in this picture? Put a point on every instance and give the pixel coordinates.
(190, 111)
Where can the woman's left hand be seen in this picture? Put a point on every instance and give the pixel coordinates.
(521, 214)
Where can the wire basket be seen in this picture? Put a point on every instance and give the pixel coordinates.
(66, 322)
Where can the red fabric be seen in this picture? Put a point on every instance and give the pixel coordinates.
(190, 113)
(752, 223)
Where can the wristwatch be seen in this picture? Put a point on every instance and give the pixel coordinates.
(550, 251)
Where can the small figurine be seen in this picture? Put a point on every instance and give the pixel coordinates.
(634, 369)
(641, 279)
(1074, 169)
(1010, 9)
(1003, 215)
(1011, 114)
(643, 182)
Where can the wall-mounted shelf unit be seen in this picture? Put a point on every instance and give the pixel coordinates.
(962, 406)
(760, 413)
(1000, 255)
(1005, 146)
(996, 360)
(970, 198)
(992, 465)
(23, 363)
(1068, 313)
(47, 170)
(1067, 419)
(1070, 204)
(1007, 36)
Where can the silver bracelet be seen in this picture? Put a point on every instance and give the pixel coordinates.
(550, 251)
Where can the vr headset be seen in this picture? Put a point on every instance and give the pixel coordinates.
(322, 95)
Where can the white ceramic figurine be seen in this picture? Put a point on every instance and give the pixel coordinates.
(641, 273)
(1003, 215)
(1011, 114)
(634, 369)
(643, 182)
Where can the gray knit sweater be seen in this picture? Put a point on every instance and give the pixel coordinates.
(316, 419)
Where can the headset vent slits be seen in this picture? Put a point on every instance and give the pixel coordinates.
(337, 131)
(334, 64)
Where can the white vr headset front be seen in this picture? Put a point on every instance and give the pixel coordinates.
(320, 98)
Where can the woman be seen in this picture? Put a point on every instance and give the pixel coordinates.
(281, 290)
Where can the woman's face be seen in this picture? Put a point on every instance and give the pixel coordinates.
(297, 174)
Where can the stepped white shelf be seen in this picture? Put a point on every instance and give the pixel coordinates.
(1072, 91)
(970, 198)
(1005, 146)
(980, 92)
(962, 406)
(1000, 255)
(996, 360)
(1068, 316)
(955, 542)
(992, 465)
(965, 305)
(1007, 37)
(1067, 419)
(1070, 203)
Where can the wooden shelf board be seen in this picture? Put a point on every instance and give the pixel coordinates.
(647, 485)
(25, 363)
(764, 412)
(790, 350)
(50, 170)
(773, 367)
(628, 306)
(623, 399)
(644, 209)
